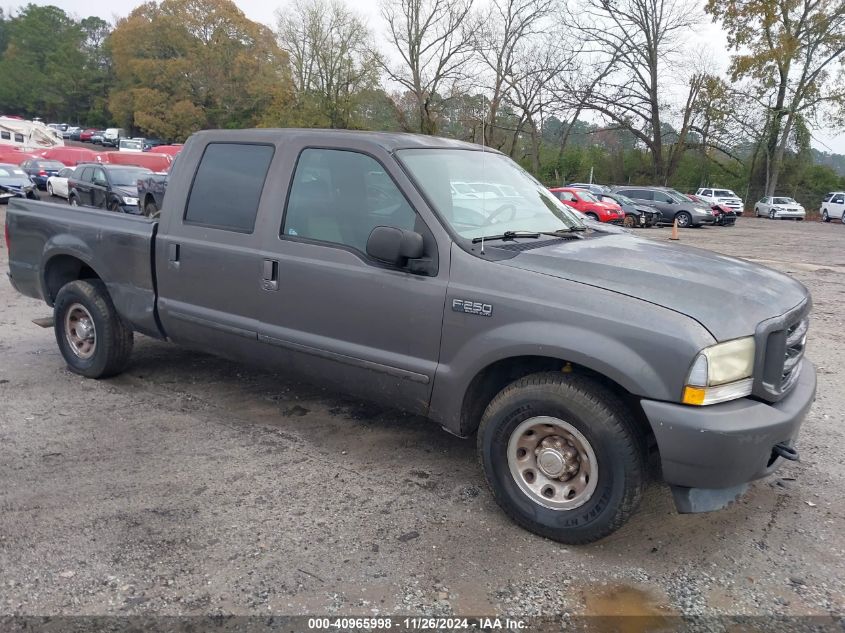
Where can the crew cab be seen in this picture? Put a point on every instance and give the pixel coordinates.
(588, 204)
(572, 351)
(833, 206)
(724, 198)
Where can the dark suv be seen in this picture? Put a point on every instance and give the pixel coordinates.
(671, 204)
(112, 187)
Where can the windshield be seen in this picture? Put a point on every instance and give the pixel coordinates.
(6, 172)
(783, 201)
(619, 199)
(514, 201)
(127, 177)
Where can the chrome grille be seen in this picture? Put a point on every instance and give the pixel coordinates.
(796, 338)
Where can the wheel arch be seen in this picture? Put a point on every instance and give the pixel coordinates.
(61, 268)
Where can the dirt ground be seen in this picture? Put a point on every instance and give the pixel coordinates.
(192, 485)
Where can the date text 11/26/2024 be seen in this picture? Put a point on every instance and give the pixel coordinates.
(416, 624)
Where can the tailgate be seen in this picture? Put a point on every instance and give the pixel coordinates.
(46, 240)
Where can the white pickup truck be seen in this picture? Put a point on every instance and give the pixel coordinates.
(723, 197)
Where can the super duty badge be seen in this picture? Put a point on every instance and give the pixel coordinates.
(472, 307)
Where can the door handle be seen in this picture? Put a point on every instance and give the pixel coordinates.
(270, 275)
(173, 255)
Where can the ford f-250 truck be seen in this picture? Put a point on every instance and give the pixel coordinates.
(570, 350)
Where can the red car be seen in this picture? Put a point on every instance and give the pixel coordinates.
(589, 205)
(85, 135)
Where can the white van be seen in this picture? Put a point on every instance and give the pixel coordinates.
(113, 135)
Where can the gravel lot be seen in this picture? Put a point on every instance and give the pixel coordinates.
(192, 485)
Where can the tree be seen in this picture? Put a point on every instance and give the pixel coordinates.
(188, 64)
(637, 42)
(506, 26)
(331, 55)
(433, 40)
(790, 49)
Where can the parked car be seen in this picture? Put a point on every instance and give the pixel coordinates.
(112, 136)
(833, 206)
(98, 137)
(636, 215)
(68, 131)
(722, 214)
(71, 155)
(589, 205)
(573, 353)
(86, 134)
(673, 205)
(723, 198)
(779, 208)
(112, 187)
(76, 133)
(40, 169)
(130, 145)
(151, 190)
(150, 143)
(57, 185)
(591, 187)
(15, 183)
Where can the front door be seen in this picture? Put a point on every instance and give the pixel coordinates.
(344, 317)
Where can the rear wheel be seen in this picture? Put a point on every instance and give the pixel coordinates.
(92, 338)
(684, 219)
(563, 457)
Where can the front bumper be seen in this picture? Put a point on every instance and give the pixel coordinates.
(790, 215)
(727, 445)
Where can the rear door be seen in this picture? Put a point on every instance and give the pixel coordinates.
(99, 187)
(344, 317)
(208, 258)
(82, 186)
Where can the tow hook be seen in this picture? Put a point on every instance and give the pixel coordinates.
(787, 452)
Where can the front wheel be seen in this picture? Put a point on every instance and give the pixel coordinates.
(50, 188)
(73, 200)
(684, 219)
(150, 209)
(629, 222)
(772, 215)
(563, 457)
(92, 338)
(592, 216)
(825, 216)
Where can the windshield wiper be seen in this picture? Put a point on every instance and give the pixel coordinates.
(510, 235)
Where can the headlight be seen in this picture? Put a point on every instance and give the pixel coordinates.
(721, 372)
(130, 201)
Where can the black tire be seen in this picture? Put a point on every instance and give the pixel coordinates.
(756, 212)
(50, 188)
(684, 219)
(825, 216)
(608, 426)
(72, 200)
(772, 215)
(114, 205)
(150, 209)
(592, 216)
(113, 338)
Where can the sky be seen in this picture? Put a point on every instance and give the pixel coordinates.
(710, 35)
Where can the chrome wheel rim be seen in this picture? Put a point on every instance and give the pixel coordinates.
(80, 332)
(552, 463)
(683, 220)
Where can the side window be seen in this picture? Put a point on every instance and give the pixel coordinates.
(6, 136)
(641, 194)
(98, 175)
(707, 192)
(340, 196)
(566, 196)
(227, 186)
(659, 196)
(87, 174)
(839, 199)
(18, 138)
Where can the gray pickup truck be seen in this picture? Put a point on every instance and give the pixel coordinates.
(573, 351)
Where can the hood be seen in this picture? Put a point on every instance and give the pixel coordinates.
(16, 182)
(131, 192)
(728, 296)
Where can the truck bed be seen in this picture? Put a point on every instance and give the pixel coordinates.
(50, 241)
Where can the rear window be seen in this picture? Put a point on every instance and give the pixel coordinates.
(227, 186)
(51, 164)
(724, 193)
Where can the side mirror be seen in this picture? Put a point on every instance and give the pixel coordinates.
(394, 246)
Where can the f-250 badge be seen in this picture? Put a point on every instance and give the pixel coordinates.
(472, 307)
